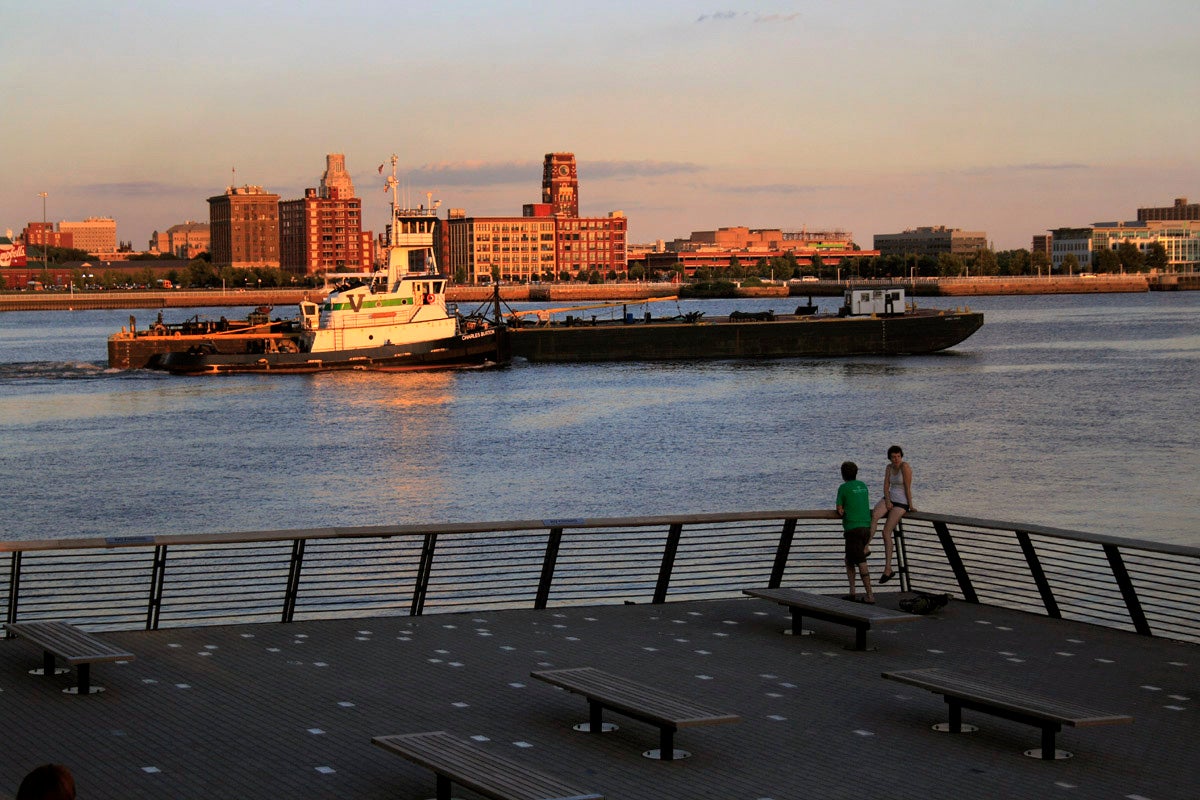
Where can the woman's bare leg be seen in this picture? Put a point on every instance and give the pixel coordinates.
(893, 518)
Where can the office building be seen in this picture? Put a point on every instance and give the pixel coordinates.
(244, 227)
(1179, 238)
(322, 232)
(93, 235)
(931, 241)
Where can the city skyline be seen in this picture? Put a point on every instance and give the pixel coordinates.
(1007, 118)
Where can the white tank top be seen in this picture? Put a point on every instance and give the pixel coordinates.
(896, 491)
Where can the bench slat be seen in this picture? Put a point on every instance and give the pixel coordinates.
(478, 770)
(73, 645)
(634, 699)
(983, 690)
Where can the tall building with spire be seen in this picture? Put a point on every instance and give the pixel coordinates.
(549, 241)
(322, 231)
(560, 184)
(336, 183)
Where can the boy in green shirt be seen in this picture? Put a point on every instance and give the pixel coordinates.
(854, 507)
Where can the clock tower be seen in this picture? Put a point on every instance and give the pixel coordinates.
(560, 184)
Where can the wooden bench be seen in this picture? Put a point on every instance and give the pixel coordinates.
(453, 759)
(74, 646)
(981, 694)
(832, 609)
(666, 711)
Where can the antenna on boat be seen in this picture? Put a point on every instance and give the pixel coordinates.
(393, 184)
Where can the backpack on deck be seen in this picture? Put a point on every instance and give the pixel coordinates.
(924, 603)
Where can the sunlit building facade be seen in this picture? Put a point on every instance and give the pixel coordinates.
(548, 240)
(244, 227)
(93, 235)
(1179, 238)
(322, 232)
(185, 240)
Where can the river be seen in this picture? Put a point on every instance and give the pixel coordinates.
(1073, 411)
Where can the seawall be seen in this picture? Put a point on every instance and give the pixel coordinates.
(600, 292)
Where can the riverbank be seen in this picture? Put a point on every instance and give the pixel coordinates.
(600, 292)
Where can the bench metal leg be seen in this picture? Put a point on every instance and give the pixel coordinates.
(666, 744)
(666, 747)
(443, 787)
(797, 628)
(595, 717)
(860, 637)
(85, 678)
(1047, 752)
(48, 666)
(595, 723)
(955, 725)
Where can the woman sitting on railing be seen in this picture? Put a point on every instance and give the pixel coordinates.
(896, 502)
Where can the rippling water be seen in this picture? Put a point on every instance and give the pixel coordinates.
(1068, 411)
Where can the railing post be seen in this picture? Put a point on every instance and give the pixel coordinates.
(901, 556)
(1039, 575)
(158, 575)
(14, 589)
(293, 582)
(668, 563)
(956, 562)
(424, 570)
(782, 552)
(1127, 590)
(548, 564)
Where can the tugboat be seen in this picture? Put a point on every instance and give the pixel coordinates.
(392, 319)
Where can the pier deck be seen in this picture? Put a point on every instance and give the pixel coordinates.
(288, 710)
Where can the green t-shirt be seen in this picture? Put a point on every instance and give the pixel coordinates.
(855, 500)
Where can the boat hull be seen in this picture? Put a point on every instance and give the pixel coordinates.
(475, 349)
(784, 337)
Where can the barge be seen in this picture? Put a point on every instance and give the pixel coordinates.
(873, 322)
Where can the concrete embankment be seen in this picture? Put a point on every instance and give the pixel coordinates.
(588, 293)
(954, 287)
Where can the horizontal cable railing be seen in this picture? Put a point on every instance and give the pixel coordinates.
(162, 582)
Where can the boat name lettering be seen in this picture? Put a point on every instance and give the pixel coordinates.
(115, 540)
(478, 334)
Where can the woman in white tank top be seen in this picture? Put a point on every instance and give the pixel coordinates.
(896, 502)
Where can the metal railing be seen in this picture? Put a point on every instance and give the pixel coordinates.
(173, 581)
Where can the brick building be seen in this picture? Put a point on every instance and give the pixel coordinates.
(322, 232)
(244, 227)
(37, 234)
(931, 241)
(1182, 210)
(548, 239)
(186, 240)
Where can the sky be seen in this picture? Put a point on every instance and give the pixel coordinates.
(873, 117)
